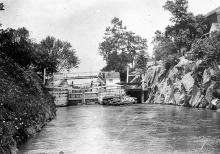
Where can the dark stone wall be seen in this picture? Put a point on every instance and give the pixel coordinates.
(137, 94)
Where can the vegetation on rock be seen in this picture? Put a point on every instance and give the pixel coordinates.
(180, 81)
(185, 29)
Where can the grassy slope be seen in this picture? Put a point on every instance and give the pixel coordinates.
(25, 106)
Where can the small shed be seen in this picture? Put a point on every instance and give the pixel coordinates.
(214, 16)
(111, 78)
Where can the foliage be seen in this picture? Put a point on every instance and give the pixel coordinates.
(120, 46)
(163, 46)
(52, 54)
(185, 29)
(55, 55)
(1, 6)
(141, 61)
(170, 61)
(17, 45)
(178, 8)
(24, 103)
(208, 49)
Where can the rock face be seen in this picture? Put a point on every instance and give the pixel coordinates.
(178, 86)
(25, 105)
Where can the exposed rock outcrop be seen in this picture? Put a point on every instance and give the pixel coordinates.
(180, 86)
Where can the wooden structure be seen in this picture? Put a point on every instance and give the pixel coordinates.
(213, 16)
(60, 96)
(73, 96)
(66, 92)
(93, 95)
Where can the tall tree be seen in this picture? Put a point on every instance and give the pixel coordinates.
(1, 8)
(119, 47)
(17, 45)
(178, 9)
(55, 55)
(141, 62)
(185, 29)
(163, 46)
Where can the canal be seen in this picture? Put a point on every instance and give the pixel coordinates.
(135, 129)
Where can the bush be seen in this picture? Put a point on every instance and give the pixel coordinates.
(170, 61)
(25, 103)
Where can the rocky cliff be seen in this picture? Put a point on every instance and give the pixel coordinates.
(187, 83)
(25, 105)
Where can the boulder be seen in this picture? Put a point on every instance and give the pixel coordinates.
(207, 75)
(188, 82)
(204, 103)
(196, 97)
(215, 101)
(178, 85)
(209, 93)
(183, 62)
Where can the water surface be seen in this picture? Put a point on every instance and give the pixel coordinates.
(153, 129)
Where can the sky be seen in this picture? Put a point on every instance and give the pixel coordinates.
(83, 22)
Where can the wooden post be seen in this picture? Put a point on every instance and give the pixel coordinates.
(44, 76)
(142, 88)
(127, 73)
(83, 97)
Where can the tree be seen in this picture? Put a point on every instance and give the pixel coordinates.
(141, 61)
(55, 55)
(119, 47)
(17, 45)
(185, 29)
(163, 46)
(178, 8)
(2, 6)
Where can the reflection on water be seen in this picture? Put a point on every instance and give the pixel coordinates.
(128, 129)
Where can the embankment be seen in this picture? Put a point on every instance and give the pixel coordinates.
(188, 83)
(25, 105)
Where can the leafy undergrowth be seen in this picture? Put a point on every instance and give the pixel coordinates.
(25, 105)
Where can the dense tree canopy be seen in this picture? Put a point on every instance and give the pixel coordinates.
(185, 29)
(55, 55)
(120, 47)
(50, 54)
(163, 46)
(17, 45)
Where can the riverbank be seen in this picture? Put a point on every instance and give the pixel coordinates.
(25, 105)
(188, 83)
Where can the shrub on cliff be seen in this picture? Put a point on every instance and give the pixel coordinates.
(208, 49)
(170, 61)
(25, 105)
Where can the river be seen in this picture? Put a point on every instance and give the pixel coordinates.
(143, 128)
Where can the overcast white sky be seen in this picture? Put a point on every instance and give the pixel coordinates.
(82, 22)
